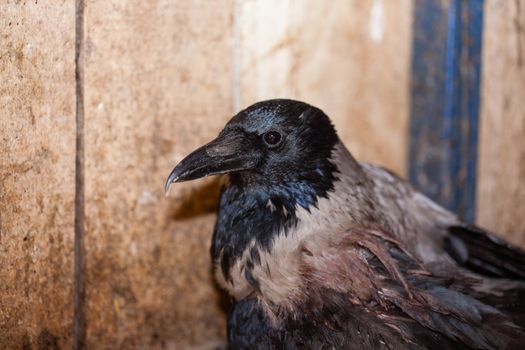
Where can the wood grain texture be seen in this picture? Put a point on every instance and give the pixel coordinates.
(158, 84)
(350, 58)
(37, 164)
(501, 171)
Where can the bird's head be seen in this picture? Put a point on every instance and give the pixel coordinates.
(271, 143)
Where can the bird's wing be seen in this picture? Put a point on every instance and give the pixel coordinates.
(484, 253)
(424, 226)
(377, 276)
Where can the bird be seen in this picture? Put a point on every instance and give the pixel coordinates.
(321, 251)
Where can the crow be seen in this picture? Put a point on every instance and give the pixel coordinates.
(320, 251)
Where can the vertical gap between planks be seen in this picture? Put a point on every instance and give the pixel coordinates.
(79, 313)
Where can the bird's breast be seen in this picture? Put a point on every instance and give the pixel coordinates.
(270, 274)
(275, 273)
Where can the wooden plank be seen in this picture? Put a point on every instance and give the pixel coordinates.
(445, 101)
(157, 85)
(350, 58)
(501, 172)
(37, 165)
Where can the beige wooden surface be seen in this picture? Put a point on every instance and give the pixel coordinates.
(37, 164)
(158, 84)
(350, 58)
(501, 171)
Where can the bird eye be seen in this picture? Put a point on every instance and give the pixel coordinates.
(272, 138)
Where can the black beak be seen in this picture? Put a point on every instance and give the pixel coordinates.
(231, 151)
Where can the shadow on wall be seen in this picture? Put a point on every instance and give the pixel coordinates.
(195, 205)
(201, 200)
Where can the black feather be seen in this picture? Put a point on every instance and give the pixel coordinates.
(484, 253)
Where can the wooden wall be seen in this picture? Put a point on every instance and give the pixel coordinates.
(161, 78)
(157, 85)
(37, 166)
(501, 171)
(354, 64)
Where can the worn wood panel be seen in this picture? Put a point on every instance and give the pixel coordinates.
(501, 172)
(350, 58)
(157, 85)
(37, 164)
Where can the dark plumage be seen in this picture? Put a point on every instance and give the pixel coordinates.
(321, 251)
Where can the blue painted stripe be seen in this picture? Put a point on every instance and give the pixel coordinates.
(446, 63)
